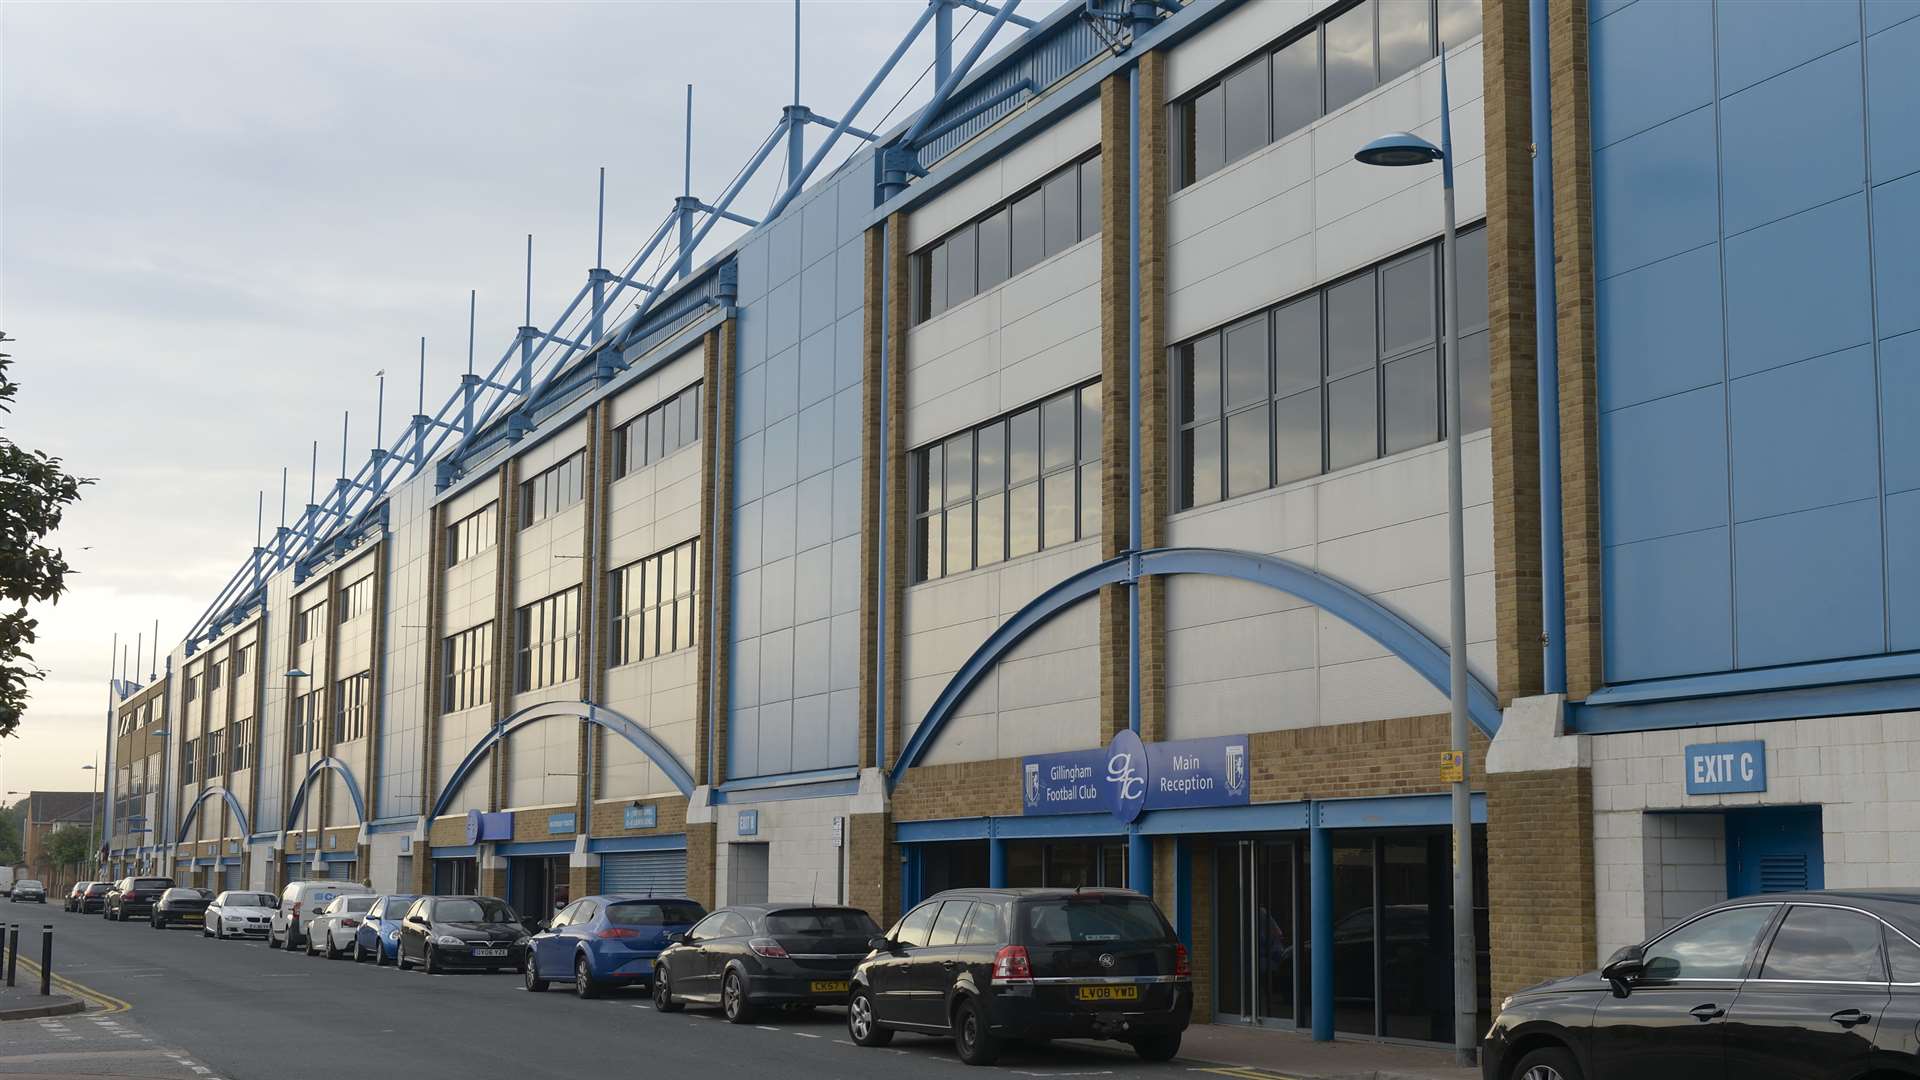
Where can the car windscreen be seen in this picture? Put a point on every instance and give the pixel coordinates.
(653, 913)
(822, 922)
(1091, 919)
(471, 909)
(146, 883)
(28, 883)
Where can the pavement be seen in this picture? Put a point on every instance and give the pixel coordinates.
(173, 1004)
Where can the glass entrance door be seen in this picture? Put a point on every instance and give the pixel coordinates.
(1260, 919)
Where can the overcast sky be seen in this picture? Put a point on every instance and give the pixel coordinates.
(217, 221)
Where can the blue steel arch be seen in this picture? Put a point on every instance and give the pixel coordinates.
(640, 737)
(346, 776)
(193, 811)
(1335, 597)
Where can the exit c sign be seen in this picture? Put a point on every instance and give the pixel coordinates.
(1724, 768)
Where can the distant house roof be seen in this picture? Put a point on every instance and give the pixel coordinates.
(60, 807)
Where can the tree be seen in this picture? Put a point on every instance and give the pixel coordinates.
(70, 845)
(11, 850)
(34, 492)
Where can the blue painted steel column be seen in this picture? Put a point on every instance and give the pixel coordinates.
(1139, 848)
(1320, 886)
(880, 587)
(942, 41)
(1546, 343)
(910, 877)
(996, 862)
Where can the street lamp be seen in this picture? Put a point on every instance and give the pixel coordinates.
(306, 802)
(93, 844)
(1401, 149)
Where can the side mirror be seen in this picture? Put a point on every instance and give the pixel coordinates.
(677, 939)
(1623, 967)
(880, 943)
(538, 926)
(415, 920)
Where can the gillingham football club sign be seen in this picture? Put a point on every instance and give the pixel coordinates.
(1129, 778)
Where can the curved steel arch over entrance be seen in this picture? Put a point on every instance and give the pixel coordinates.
(193, 811)
(1335, 597)
(640, 737)
(346, 776)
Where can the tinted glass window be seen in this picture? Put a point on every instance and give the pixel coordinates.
(478, 909)
(1413, 401)
(823, 922)
(1296, 84)
(565, 918)
(1089, 197)
(1406, 303)
(1246, 106)
(936, 300)
(1351, 422)
(355, 904)
(1406, 32)
(1350, 326)
(1825, 945)
(960, 264)
(153, 883)
(1029, 239)
(708, 927)
(984, 926)
(912, 931)
(1207, 133)
(994, 250)
(652, 913)
(1350, 70)
(1091, 917)
(244, 899)
(1063, 212)
(1903, 957)
(1246, 372)
(1459, 20)
(946, 927)
(1713, 947)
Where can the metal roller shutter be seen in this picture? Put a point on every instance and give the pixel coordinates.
(340, 871)
(656, 873)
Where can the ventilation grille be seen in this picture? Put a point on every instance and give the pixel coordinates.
(1783, 873)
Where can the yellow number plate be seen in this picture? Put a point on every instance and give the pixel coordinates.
(1109, 993)
(828, 986)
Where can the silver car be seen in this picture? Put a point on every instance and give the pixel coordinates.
(238, 914)
(331, 931)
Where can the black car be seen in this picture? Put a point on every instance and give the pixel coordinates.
(746, 956)
(135, 896)
(95, 898)
(186, 906)
(1807, 986)
(985, 965)
(28, 891)
(442, 933)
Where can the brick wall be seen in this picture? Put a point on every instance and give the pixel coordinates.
(1540, 876)
(670, 817)
(582, 881)
(961, 789)
(448, 831)
(700, 860)
(1116, 297)
(531, 824)
(1374, 757)
(873, 867)
(1156, 434)
(894, 461)
(716, 568)
(872, 331)
(1202, 890)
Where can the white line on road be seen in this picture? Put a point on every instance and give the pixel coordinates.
(806, 1035)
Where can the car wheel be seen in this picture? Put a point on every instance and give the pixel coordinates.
(426, 964)
(1547, 1063)
(583, 983)
(272, 942)
(534, 983)
(399, 958)
(333, 951)
(862, 1028)
(1159, 1046)
(733, 1000)
(379, 955)
(663, 992)
(359, 953)
(976, 1045)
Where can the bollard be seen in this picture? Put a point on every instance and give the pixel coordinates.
(46, 961)
(13, 952)
(4, 952)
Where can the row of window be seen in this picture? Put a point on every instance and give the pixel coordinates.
(311, 623)
(1009, 487)
(473, 534)
(1052, 216)
(659, 431)
(466, 663)
(208, 679)
(656, 604)
(547, 641)
(352, 705)
(356, 599)
(240, 748)
(553, 490)
(309, 713)
(1345, 374)
(208, 755)
(1330, 63)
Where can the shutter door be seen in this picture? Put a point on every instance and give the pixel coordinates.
(340, 871)
(656, 873)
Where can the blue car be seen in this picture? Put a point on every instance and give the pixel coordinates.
(378, 938)
(599, 942)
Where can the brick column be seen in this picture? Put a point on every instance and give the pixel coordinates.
(894, 461)
(503, 623)
(714, 697)
(1116, 337)
(1156, 431)
(420, 869)
(493, 879)
(583, 881)
(873, 867)
(872, 530)
(431, 693)
(700, 863)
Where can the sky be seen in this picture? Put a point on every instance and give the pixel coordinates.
(219, 221)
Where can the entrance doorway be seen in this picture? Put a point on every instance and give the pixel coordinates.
(1262, 917)
(537, 885)
(456, 877)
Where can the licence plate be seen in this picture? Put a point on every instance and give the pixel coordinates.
(829, 986)
(192, 916)
(1108, 993)
(489, 952)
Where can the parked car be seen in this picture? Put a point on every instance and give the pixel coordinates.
(239, 914)
(445, 932)
(186, 906)
(72, 902)
(300, 901)
(378, 936)
(332, 929)
(95, 898)
(29, 891)
(602, 941)
(986, 965)
(1810, 986)
(745, 956)
(135, 896)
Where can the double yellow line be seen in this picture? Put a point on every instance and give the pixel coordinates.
(105, 1003)
(1241, 1072)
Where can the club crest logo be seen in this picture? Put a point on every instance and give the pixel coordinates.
(1236, 768)
(1033, 783)
(1127, 775)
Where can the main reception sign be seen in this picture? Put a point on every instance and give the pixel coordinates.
(1128, 777)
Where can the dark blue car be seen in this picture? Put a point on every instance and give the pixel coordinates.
(600, 942)
(378, 938)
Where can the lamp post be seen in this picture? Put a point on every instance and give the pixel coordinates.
(306, 801)
(93, 845)
(1403, 149)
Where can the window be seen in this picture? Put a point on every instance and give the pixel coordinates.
(310, 624)
(984, 926)
(1314, 70)
(188, 755)
(309, 714)
(1823, 944)
(659, 431)
(1342, 375)
(351, 707)
(193, 687)
(215, 760)
(1903, 957)
(553, 490)
(472, 534)
(213, 677)
(946, 927)
(241, 749)
(548, 641)
(913, 930)
(240, 660)
(356, 599)
(1009, 487)
(466, 667)
(656, 604)
(1057, 213)
(1714, 946)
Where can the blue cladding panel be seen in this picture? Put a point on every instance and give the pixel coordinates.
(1900, 411)
(1820, 104)
(1809, 586)
(1896, 255)
(1654, 194)
(1805, 436)
(1669, 605)
(1600, 9)
(1893, 89)
(1760, 40)
(1799, 288)
(1660, 329)
(1666, 467)
(1884, 13)
(1660, 59)
(1903, 570)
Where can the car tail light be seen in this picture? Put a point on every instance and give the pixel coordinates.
(767, 947)
(349, 922)
(1182, 967)
(295, 910)
(1010, 964)
(614, 933)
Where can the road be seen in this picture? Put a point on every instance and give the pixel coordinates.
(232, 1010)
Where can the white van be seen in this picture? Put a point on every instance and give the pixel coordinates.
(300, 901)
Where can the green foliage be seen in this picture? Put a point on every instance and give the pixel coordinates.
(71, 845)
(12, 851)
(34, 492)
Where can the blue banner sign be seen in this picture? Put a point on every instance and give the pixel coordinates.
(561, 823)
(485, 826)
(1128, 778)
(642, 816)
(1721, 768)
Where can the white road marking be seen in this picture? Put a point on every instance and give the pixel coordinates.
(806, 1035)
(764, 1027)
